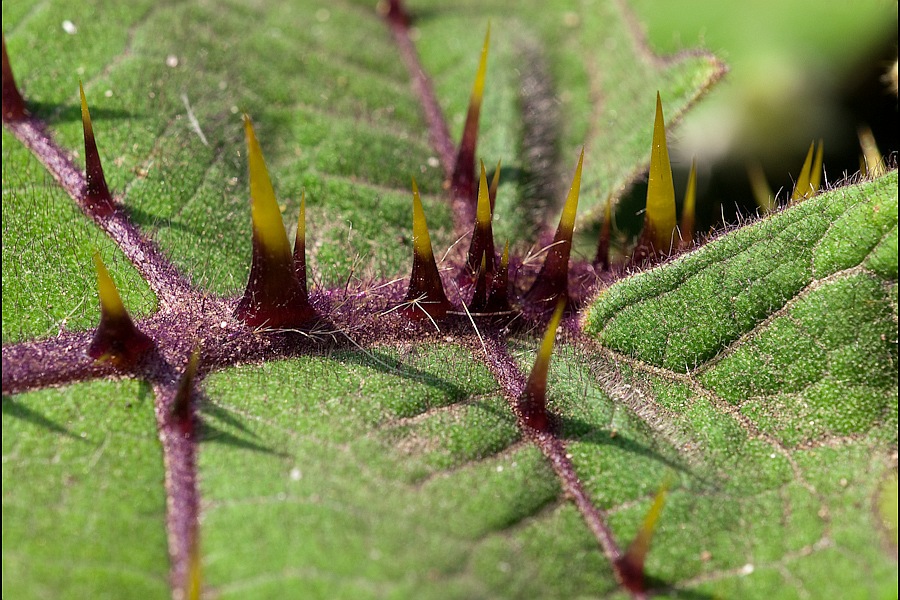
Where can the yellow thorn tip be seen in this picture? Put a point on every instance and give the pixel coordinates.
(267, 223)
(483, 210)
(480, 75)
(567, 220)
(110, 301)
(802, 188)
(660, 188)
(543, 357)
(85, 113)
(815, 176)
(421, 239)
(690, 194)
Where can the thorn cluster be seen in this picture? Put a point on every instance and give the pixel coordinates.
(276, 294)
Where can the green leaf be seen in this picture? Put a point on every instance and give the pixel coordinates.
(398, 469)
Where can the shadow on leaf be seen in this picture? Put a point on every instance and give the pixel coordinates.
(19, 411)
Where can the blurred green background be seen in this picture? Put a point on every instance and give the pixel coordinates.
(800, 70)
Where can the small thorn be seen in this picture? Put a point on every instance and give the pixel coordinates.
(553, 280)
(97, 193)
(762, 192)
(13, 103)
(495, 184)
(274, 296)
(815, 175)
(874, 164)
(803, 189)
(426, 297)
(688, 212)
(117, 340)
(462, 182)
(533, 401)
(182, 410)
(631, 565)
(482, 246)
(498, 299)
(602, 258)
(300, 246)
(659, 219)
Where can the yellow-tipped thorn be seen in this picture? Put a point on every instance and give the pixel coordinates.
(97, 196)
(117, 340)
(803, 188)
(659, 219)
(462, 181)
(631, 565)
(553, 280)
(267, 223)
(482, 244)
(533, 401)
(815, 174)
(425, 297)
(688, 212)
(421, 238)
(274, 296)
(110, 301)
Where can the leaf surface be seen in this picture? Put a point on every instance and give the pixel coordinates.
(398, 470)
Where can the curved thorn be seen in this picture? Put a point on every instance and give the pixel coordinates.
(533, 401)
(463, 180)
(425, 297)
(97, 193)
(274, 296)
(13, 104)
(116, 340)
(553, 280)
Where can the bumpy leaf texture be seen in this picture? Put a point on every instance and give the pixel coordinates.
(371, 457)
